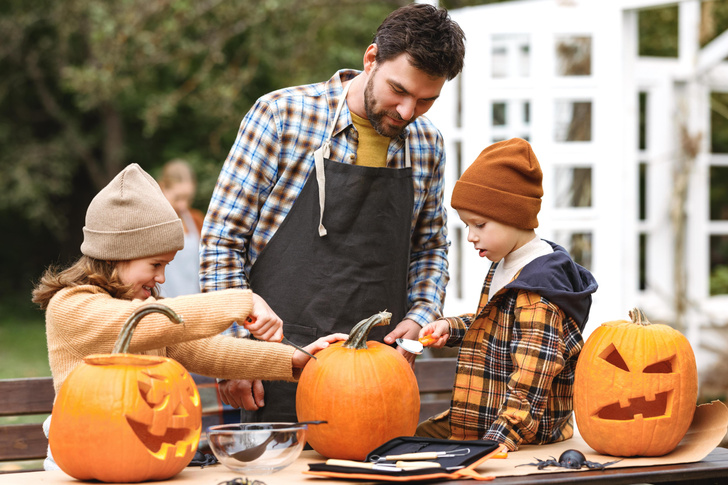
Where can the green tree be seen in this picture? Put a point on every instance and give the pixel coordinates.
(88, 86)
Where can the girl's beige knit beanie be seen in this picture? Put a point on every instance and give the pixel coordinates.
(131, 218)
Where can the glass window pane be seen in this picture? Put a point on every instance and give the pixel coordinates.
(499, 60)
(642, 191)
(524, 60)
(499, 114)
(573, 55)
(643, 121)
(719, 122)
(573, 120)
(510, 56)
(579, 245)
(642, 262)
(718, 193)
(573, 186)
(718, 265)
(658, 31)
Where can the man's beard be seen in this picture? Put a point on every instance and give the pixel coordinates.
(376, 118)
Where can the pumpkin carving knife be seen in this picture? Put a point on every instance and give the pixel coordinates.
(284, 340)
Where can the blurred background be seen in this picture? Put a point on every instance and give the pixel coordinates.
(89, 86)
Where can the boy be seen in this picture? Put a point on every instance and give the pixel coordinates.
(515, 372)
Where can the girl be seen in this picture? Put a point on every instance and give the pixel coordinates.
(131, 234)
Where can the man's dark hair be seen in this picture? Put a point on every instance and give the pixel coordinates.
(433, 42)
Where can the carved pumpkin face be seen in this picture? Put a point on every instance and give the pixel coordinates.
(635, 389)
(126, 418)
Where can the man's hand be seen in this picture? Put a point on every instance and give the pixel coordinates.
(242, 393)
(405, 329)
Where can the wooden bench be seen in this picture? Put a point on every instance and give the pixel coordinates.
(435, 377)
(20, 397)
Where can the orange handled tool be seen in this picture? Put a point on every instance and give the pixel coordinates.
(284, 340)
(416, 346)
(427, 340)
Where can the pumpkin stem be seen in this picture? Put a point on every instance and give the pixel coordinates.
(124, 339)
(638, 317)
(358, 335)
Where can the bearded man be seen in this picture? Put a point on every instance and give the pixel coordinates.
(330, 202)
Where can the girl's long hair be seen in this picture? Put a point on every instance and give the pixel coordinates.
(85, 271)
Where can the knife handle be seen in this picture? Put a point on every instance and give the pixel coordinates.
(350, 463)
(423, 455)
(414, 465)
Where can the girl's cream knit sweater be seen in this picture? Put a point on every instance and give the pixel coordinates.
(85, 320)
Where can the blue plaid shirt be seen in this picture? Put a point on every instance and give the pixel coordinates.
(269, 164)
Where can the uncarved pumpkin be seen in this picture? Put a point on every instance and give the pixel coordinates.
(366, 391)
(122, 417)
(635, 388)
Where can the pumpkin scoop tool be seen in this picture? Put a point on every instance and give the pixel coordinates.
(415, 346)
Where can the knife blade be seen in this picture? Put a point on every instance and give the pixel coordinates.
(284, 340)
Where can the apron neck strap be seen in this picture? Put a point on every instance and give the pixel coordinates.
(324, 151)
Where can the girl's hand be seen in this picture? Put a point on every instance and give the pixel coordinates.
(300, 359)
(263, 322)
(438, 330)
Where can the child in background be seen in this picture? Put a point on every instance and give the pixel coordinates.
(518, 352)
(179, 184)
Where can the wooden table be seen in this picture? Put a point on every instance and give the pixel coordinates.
(713, 469)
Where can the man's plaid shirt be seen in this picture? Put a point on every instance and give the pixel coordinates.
(269, 164)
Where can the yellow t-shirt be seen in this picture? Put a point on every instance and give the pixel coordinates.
(372, 150)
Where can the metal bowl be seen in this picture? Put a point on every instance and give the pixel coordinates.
(257, 448)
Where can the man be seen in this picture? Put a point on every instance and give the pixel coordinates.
(330, 203)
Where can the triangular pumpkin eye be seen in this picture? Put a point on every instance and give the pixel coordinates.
(662, 367)
(612, 355)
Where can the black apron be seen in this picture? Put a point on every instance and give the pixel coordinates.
(325, 270)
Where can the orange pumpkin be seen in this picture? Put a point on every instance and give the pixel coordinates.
(635, 388)
(366, 391)
(122, 417)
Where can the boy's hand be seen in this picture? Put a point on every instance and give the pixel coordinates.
(300, 359)
(439, 331)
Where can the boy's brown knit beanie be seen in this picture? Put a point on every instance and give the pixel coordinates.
(503, 184)
(131, 218)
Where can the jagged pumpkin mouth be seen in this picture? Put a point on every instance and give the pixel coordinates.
(637, 406)
(172, 437)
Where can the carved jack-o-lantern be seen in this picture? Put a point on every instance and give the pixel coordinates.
(635, 388)
(126, 418)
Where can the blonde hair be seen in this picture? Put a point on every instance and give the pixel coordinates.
(85, 271)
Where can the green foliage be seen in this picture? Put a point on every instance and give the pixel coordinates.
(719, 280)
(658, 32)
(94, 85)
(88, 86)
(22, 340)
